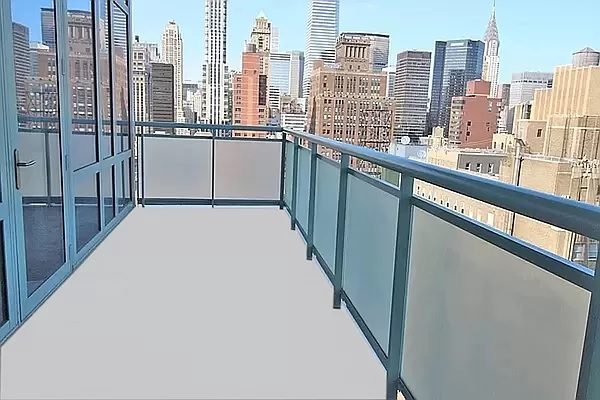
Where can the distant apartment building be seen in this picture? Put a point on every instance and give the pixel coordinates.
(504, 91)
(162, 92)
(172, 53)
(474, 117)
(322, 31)
(348, 102)
(293, 113)
(250, 92)
(411, 94)
(36, 51)
(143, 55)
(379, 50)
(296, 73)
(524, 85)
(456, 62)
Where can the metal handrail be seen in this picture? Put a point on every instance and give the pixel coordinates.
(564, 213)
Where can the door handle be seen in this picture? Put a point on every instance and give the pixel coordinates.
(18, 165)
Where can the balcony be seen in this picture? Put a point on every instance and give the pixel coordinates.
(204, 291)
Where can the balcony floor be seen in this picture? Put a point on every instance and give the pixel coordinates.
(190, 302)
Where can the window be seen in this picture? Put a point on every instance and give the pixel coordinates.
(490, 168)
(478, 167)
(539, 132)
(468, 166)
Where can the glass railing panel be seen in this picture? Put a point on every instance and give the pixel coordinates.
(247, 169)
(326, 202)
(289, 172)
(177, 167)
(303, 190)
(369, 253)
(482, 320)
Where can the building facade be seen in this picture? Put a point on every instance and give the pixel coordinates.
(172, 53)
(390, 73)
(214, 70)
(143, 55)
(162, 92)
(296, 73)
(279, 78)
(456, 62)
(250, 93)
(474, 117)
(22, 62)
(491, 58)
(411, 91)
(379, 51)
(524, 85)
(322, 30)
(348, 102)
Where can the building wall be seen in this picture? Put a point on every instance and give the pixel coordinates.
(162, 92)
(250, 94)
(379, 49)
(172, 53)
(474, 117)
(524, 85)
(411, 92)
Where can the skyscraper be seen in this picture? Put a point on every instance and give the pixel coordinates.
(172, 53)
(250, 92)
(296, 73)
(48, 27)
(390, 72)
(379, 51)
(22, 61)
(214, 70)
(322, 30)
(162, 93)
(279, 77)
(411, 92)
(491, 60)
(143, 55)
(456, 63)
(261, 33)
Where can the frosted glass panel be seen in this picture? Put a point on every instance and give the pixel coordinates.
(326, 199)
(177, 167)
(303, 187)
(289, 172)
(247, 169)
(369, 252)
(485, 324)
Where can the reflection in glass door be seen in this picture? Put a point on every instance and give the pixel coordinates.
(38, 160)
(3, 262)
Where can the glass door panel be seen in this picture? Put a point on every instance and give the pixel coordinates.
(38, 157)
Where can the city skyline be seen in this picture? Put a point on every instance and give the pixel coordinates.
(427, 23)
(419, 32)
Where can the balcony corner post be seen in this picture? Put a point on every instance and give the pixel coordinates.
(294, 193)
(399, 287)
(282, 168)
(340, 233)
(589, 374)
(311, 202)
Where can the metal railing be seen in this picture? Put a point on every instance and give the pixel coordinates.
(396, 331)
(453, 308)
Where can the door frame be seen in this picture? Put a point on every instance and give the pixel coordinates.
(28, 303)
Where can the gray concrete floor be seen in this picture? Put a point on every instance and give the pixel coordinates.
(193, 303)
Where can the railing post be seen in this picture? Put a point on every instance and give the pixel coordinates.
(212, 173)
(143, 162)
(294, 184)
(589, 374)
(341, 231)
(282, 177)
(311, 202)
(399, 286)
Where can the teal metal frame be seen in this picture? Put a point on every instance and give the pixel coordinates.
(573, 216)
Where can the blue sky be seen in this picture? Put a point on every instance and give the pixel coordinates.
(535, 35)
